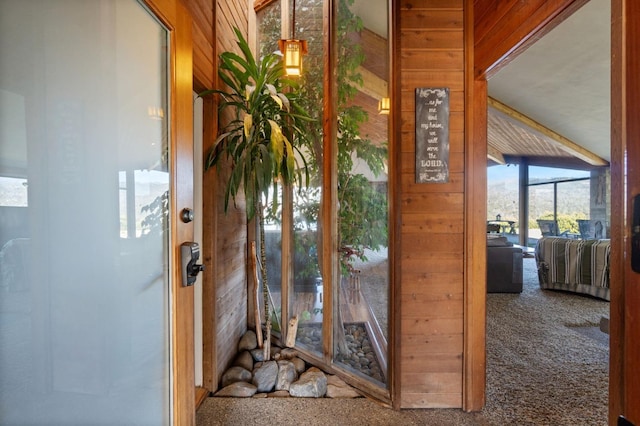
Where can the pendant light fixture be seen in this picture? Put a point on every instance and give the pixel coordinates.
(384, 105)
(293, 49)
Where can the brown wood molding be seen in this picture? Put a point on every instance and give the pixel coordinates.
(176, 18)
(395, 192)
(475, 213)
(624, 381)
(258, 5)
(505, 29)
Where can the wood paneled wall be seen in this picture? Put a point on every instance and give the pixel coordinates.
(231, 251)
(202, 12)
(431, 251)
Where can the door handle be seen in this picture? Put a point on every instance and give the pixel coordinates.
(189, 254)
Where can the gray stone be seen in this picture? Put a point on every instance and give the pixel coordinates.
(257, 354)
(248, 342)
(288, 353)
(238, 390)
(244, 360)
(312, 384)
(337, 388)
(275, 352)
(264, 377)
(261, 395)
(300, 365)
(235, 374)
(286, 375)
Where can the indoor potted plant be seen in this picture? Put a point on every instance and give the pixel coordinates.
(260, 139)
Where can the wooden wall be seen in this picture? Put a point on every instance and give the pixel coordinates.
(231, 251)
(202, 12)
(430, 276)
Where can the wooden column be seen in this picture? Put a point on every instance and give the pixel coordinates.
(624, 382)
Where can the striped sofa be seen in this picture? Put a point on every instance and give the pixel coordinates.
(579, 266)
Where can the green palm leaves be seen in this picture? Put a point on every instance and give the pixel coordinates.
(264, 120)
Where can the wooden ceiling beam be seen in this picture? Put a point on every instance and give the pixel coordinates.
(372, 85)
(560, 141)
(495, 155)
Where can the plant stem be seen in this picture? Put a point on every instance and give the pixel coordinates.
(265, 282)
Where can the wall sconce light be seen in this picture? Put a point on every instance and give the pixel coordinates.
(384, 105)
(293, 49)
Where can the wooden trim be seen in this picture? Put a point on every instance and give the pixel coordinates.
(560, 141)
(511, 27)
(474, 376)
(631, 127)
(182, 123)
(395, 197)
(258, 5)
(495, 155)
(175, 17)
(372, 85)
(209, 249)
(328, 207)
(624, 382)
(616, 267)
(201, 395)
(209, 226)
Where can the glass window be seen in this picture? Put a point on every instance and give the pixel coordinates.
(360, 316)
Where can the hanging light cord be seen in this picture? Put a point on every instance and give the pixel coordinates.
(293, 21)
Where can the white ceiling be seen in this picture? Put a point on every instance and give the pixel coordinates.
(374, 14)
(563, 80)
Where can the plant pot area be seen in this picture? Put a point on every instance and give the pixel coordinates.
(285, 374)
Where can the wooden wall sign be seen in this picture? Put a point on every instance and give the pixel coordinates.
(432, 135)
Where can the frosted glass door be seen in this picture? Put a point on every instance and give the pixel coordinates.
(84, 184)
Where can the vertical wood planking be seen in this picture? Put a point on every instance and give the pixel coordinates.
(202, 12)
(230, 286)
(431, 260)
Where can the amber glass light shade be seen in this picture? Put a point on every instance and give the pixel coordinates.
(384, 105)
(293, 50)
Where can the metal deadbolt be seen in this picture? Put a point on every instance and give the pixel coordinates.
(186, 215)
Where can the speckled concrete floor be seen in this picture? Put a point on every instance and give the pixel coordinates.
(540, 371)
(322, 412)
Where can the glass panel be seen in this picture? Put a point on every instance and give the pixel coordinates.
(502, 195)
(361, 342)
(269, 28)
(307, 284)
(84, 304)
(548, 194)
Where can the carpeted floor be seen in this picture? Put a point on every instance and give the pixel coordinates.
(545, 366)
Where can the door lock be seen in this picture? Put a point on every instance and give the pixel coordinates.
(189, 254)
(186, 215)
